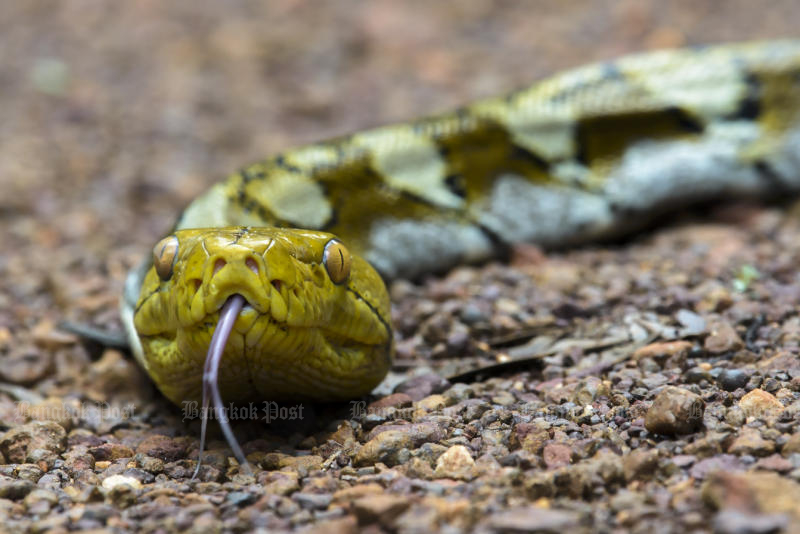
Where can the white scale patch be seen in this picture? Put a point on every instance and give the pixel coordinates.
(294, 198)
(208, 210)
(518, 211)
(662, 171)
(707, 84)
(406, 248)
(410, 162)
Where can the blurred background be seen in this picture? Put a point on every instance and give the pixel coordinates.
(114, 115)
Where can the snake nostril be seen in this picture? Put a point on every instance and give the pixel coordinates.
(251, 264)
(219, 264)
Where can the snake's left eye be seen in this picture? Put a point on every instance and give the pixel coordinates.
(164, 255)
(336, 259)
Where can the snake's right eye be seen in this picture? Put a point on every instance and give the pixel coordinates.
(164, 255)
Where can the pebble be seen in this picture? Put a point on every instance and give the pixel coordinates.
(758, 492)
(732, 379)
(673, 351)
(749, 441)
(382, 509)
(675, 411)
(792, 445)
(164, 448)
(456, 462)
(421, 386)
(395, 400)
(723, 338)
(431, 403)
(386, 448)
(556, 455)
(640, 464)
(731, 521)
(313, 501)
(20, 442)
(15, 489)
(534, 519)
(110, 452)
(113, 481)
(774, 462)
(759, 404)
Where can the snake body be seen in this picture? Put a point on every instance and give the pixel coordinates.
(582, 155)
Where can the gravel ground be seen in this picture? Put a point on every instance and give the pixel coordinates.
(657, 383)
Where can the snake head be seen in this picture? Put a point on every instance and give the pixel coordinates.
(315, 322)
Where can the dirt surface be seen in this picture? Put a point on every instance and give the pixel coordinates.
(661, 385)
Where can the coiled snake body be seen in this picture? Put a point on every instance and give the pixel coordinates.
(582, 155)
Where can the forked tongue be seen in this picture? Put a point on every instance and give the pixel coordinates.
(227, 317)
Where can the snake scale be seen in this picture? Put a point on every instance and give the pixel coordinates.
(280, 268)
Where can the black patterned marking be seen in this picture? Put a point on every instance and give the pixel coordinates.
(528, 156)
(750, 106)
(592, 139)
(455, 184)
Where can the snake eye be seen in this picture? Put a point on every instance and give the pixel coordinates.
(336, 259)
(164, 255)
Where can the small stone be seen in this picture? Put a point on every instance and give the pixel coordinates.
(30, 472)
(419, 433)
(302, 464)
(382, 509)
(674, 351)
(749, 441)
(312, 501)
(640, 464)
(759, 404)
(118, 480)
(395, 400)
(534, 519)
(26, 365)
(792, 445)
(279, 482)
(556, 455)
(774, 462)
(758, 492)
(40, 501)
(340, 525)
(15, 489)
(731, 521)
(145, 477)
(723, 338)
(732, 379)
(696, 374)
(150, 464)
(18, 443)
(385, 448)
(456, 463)
(421, 386)
(110, 452)
(346, 495)
(675, 411)
(431, 403)
(721, 462)
(735, 416)
(163, 447)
